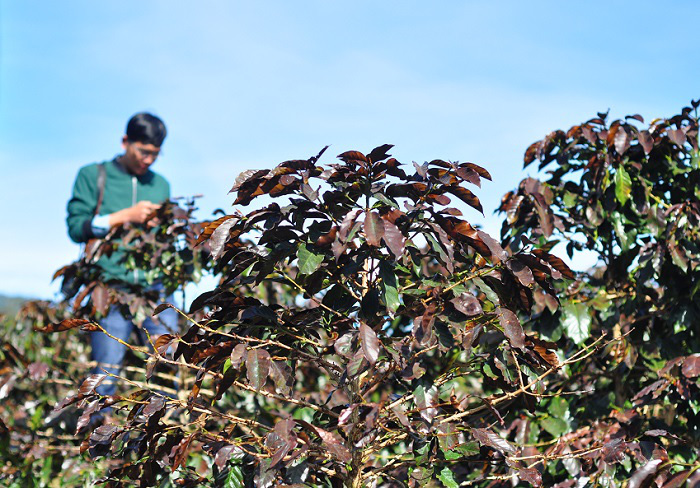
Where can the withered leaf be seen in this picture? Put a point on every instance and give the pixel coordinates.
(646, 141)
(370, 343)
(257, 367)
(466, 196)
(66, 324)
(374, 229)
(487, 437)
(511, 327)
(555, 262)
(531, 475)
(691, 366)
(468, 304)
(219, 237)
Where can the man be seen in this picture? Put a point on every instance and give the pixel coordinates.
(131, 192)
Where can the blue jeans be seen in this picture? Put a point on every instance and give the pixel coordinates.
(109, 353)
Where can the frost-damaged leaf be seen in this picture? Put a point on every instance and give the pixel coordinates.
(576, 321)
(209, 229)
(374, 229)
(468, 304)
(37, 371)
(308, 261)
(281, 375)
(258, 367)
(247, 176)
(370, 343)
(281, 440)
(66, 324)
(623, 185)
(333, 442)
(475, 167)
(347, 224)
(219, 237)
(678, 480)
(178, 454)
(622, 141)
(466, 196)
(394, 239)
(223, 455)
(379, 153)
(426, 402)
(90, 383)
(691, 366)
(644, 474)
(614, 451)
(555, 262)
(352, 156)
(677, 136)
(162, 307)
(497, 252)
(531, 475)
(487, 437)
(646, 141)
(155, 405)
(511, 327)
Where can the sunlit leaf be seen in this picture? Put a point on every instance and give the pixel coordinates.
(308, 262)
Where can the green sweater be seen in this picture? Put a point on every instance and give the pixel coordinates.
(122, 190)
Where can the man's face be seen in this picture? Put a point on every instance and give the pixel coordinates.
(138, 156)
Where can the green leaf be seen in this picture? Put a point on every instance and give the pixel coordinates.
(235, 473)
(467, 449)
(554, 426)
(623, 185)
(390, 292)
(447, 478)
(576, 321)
(308, 261)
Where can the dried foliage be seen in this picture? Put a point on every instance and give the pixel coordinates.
(364, 333)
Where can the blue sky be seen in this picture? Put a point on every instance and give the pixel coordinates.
(249, 84)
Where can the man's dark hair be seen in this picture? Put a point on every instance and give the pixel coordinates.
(146, 128)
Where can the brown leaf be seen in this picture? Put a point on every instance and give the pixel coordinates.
(497, 252)
(468, 304)
(257, 367)
(475, 167)
(622, 141)
(646, 141)
(691, 366)
(374, 229)
(555, 262)
(489, 438)
(466, 196)
(511, 327)
(209, 229)
(66, 324)
(644, 474)
(352, 156)
(347, 224)
(370, 343)
(219, 236)
(677, 136)
(614, 451)
(531, 475)
(394, 239)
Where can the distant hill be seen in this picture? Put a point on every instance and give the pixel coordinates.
(9, 306)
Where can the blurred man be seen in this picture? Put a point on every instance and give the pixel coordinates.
(112, 193)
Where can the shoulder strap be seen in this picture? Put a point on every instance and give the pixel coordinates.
(101, 177)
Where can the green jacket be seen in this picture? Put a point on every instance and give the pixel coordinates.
(122, 190)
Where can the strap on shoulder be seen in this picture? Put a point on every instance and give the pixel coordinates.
(101, 178)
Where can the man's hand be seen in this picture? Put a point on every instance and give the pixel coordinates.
(138, 214)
